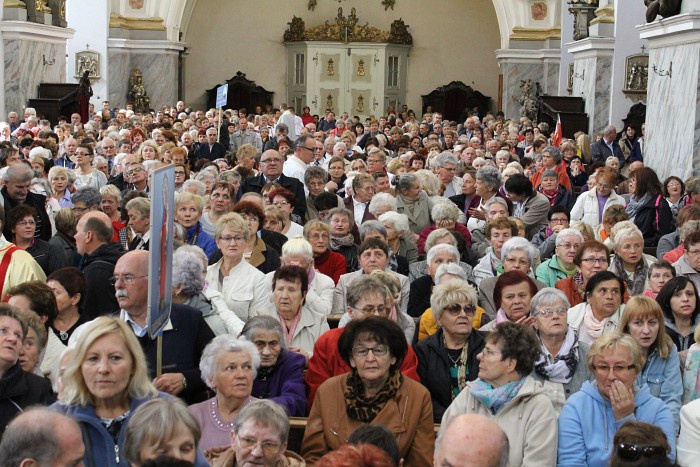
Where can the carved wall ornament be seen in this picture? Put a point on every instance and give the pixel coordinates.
(330, 70)
(329, 102)
(136, 4)
(346, 29)
(42, 6)
(361, 68)
(137, 92)
(538, 11)
(387, 4)
(570, 79)
(636, 73)
(87, 60)
(527, 100)
(584, 12)
(360, 104)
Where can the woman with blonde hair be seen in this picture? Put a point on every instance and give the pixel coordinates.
(105, 382)
(245, 157)
(188, 213)
(644, 320)
(148, 151)
(59, 180)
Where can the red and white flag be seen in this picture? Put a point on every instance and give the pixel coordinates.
(556, 136)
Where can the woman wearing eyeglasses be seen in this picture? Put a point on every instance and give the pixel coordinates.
(374, 392)
(86, 174)
(587, 206)
(284, 200)
(562, 361)
(22, 221)
(449, 355)
(590, 418)
(591, 258)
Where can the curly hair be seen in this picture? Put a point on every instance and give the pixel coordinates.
(517, 342)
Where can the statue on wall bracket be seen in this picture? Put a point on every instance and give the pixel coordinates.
(87, 60)
(137, 92)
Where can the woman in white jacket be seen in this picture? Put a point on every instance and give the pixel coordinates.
(587, 206)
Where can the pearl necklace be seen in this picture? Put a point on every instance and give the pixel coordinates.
(215, 415)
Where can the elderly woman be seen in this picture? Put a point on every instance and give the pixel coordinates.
(450, 353)
(337, 177)
(680, 303)
(34, 343)
(399, 236)
(241, 284)
(342, 240)
(445, 215)
(412, 201)
(220, 201)
(58, 178)
(188, 288)
(86, 174)
(257, 252)
(264, 424)
(382, 203)
(69, 287)
(245, 156)
(105, 381)
(551, 160)
(601, 309)
(561, 264)
(591, 258)
(587, 206)
(139, 212)
(64, 239)
(488, 182)
(301, 327)
(163, 427)
(284, 200)
(562, 361)
(643, 320)
(420, 268)
(280, 376)
(373, 392)
(188, 212)
(328, 262)
(516, 254)
(111, 198)
(506, 393)
(591, 417)
(512, 295)
(228, 367)
(629, 261)
(556, 193)
(647, 207)
(421, 288)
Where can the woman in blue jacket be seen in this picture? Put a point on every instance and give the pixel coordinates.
(643, 320)
(590, 418)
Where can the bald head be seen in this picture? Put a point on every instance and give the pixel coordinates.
(93, 230)
(471, 440)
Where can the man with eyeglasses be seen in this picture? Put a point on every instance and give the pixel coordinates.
(86, 199)
(304, 151)
(271, 163)
(689, 264)
(558, 218)
(93, 239)
(364, 297)
(108, 151)
(184, 337)
(358, 204)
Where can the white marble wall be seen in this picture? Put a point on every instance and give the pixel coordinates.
(513, 73)
(159, 76)
(591, 81)
(25, 69)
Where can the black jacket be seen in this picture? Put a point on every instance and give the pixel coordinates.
(98, 267)
(49, 256)
(655, 226)
(434, 368)
(118, 181)
(256, 184)
(19, 390)
(419, 296)
(38, 202)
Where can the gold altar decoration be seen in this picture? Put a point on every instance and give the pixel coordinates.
(360, 104)
(329, 102)
(346, 29)
(330, 71)
(361, 68)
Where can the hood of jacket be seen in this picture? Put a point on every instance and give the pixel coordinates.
(109, 252)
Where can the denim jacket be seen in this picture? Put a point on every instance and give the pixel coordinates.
(663, 377)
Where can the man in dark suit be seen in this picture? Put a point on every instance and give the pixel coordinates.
(358, 204)
(606, 147)
(271, 166)
(211, 149)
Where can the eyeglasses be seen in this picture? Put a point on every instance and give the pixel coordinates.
(268, 447)
(617, 369)
(322, 236)
(519, 262)
(693, 252)
(456, 309)
(271, 160)
(373, 161)
(249, 218)
(280, 203)
(594, 260)
(378, 351)
(128, 279)
(372, 310)
(109, 147)
(179, 172)
(78, 210)
(26, 222)
(569, 246)
(228, 240)
(632, 452)
(554, 220)
(549, 312)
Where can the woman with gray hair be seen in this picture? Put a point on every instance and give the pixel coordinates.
(488, 182)
(445, 215)
(629, 261)
(450, 353)
(228, 366)
(561, 265)
(188, 280)
(382, 203)
(420, 268)
(561, 366)
(280, 377)
(421, 288)
(551, 160)
(398, 235)
(412, 201)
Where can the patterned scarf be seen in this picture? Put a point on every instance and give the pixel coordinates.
(635, 204)
(461, 365)
(578, 281)
(635, 283)
(564, 366)
(358, 406)
(551, 195)
(495, 398)
(340, 242)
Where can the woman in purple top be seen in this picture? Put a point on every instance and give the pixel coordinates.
(281, 374)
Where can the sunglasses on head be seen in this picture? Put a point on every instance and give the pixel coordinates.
(632, 452)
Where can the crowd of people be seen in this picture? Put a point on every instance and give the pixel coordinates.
(406, 289)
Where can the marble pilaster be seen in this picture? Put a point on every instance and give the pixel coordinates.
(673, 100)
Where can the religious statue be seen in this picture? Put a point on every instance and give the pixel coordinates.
(665, 8)
(360, 104)
(399, 33)
(637, 77)
(329, 102)
(346, 25)
(584, 12)
(295, 31)
(528, 107)
(139, 99)
(361, 68)
(330, 71)
(84, 95)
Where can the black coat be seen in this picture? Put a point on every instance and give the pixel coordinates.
(419, 296)
(49, 256)
(654, 228)
(256, 185)
(19, 390)
(98, 267)
(434, 368)
(38, 202)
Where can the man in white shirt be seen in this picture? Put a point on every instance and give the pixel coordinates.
(295, 166)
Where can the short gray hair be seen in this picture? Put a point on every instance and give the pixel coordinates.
(266, 413)
(444, 211)
(370, 227)
(442, 248)
(625, 234)
(451, 292)
(554, 152)
(382, 199)
(436, 235)
(495, 200)
(519, 243)
(363, 286)
(18, 173)
(445, 157)
(405, 182)
(550, 173)
(263, 323)
(141, 205)
(569, 233)
(225, 343)
(188, 271)
(315, 172)
(453, 269)
(201, 187)
(547, 297)
(88, 195)
(400, 221)
(490, 176)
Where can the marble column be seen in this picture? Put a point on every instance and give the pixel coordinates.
(673, 94)
(519, 65)
(593, 60)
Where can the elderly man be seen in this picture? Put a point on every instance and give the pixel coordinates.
(606, 147)
(365, 296)
(70, 145)
(18, 180)
(93, 238)
(108, 149)
(211, 149)
(121, 180)
(86, 199)
(184, 337)
(471, 440)
(304, 150)
(245, 136)
(446, 166)
(689, 264)
(42, 437)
